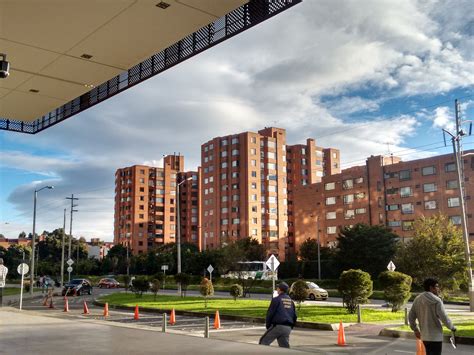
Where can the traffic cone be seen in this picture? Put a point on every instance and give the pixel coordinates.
(341, 338)
(420, 347)
(217, 321)
(106, 310)
(66, 305)
(86, 309)
(51, 306)
(136, 316)
(172, 317)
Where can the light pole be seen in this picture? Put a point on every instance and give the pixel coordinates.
(62, 249)
(178, 230)
(33, 239)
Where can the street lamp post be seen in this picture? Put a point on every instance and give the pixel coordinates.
(178, 230)
(33, 239)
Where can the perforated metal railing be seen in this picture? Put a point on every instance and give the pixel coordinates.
(235, 22)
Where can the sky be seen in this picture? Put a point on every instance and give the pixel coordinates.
(367, 77)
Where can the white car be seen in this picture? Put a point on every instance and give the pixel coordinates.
(314, 291)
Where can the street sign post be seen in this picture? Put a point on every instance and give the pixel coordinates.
(164, 268)
(69, 269)
(391, 266)
(22, 270)
(3, 278)
(210, 269)
(273, 264)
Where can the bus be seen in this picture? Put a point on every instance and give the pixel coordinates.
(250, 270)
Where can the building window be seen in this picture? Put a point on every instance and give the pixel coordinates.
(271, 155)
(430, 205)
(359, 180)
(449, 167)
(235, 140)
(391, 191)
(359, 195)
(224, 222)
(405, 174)
(254, 208)
(407, 225)
(224, 153)
(428, 170)
(452, 184)
(456, 220)
(141, 215)
(224, 198)
(348, 199)
(360, 210)
(394, 224)
(331, 215)
(224, 210)
(142, 180)
(407, 208)
(331, 230)
(223, 176)
(429, 187)
(406, 191)
(235, 152)
(347, 184)
(330, 200)
(255, 220)
(349, 214)
(224, 165)
(224, 142)
(254, 174)
(235, 221)
(330, 186)
(253, 151)
(271, 166)
(253, 139)
(454, 202)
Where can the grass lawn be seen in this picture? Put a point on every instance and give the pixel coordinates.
(9, 291)
(250, 308)
(465, 329)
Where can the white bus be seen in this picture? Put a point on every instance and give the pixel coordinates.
(254, 270)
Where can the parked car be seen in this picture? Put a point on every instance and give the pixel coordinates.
(77, 287)
(314, 292)
(108, 283)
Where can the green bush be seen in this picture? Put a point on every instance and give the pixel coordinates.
(139, 285)
(299, 292)
(396, 287)
(184, 280)
(206, 289)
(236, 291)
(356, 288)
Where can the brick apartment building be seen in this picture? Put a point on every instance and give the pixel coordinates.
(145, 204)
(384, 191)
(247, 183)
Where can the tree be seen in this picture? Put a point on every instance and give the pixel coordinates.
(396, 288)
(140, 284)
(356, 288)
(183, 279)
(366, 247)
(436, 250)
(155, 287)
(299, 292)
(309, 250)
(206, 289)
(236, 291)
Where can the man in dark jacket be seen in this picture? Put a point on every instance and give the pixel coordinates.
(281, 318)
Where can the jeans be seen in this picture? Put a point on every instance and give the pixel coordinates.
(433, 347)
(279, 332)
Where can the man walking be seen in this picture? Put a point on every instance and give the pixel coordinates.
(281, 318)
(429, 310)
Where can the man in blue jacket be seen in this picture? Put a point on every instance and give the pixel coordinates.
(281, 318)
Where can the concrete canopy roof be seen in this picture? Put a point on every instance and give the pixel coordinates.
(59, 51)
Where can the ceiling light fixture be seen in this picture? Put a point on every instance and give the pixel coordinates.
(34, 90)
(163, 5)
(89, 86)
(86, 56)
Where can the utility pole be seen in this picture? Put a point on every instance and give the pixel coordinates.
(456, 140)
(69, 254)
(62, 249)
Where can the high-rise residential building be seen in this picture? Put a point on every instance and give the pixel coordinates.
(385, 191)
(245, 187)
(145, 204)
(189, 208)
(307, 164)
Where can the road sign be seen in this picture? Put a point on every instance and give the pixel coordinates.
(391, 266)
(272, 263)
(23, 269)
(210, 269)
(69, 269)
(164, 267)
(3, 275)
(70, 262)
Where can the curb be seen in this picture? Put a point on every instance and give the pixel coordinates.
(307, 325)
(409, 335)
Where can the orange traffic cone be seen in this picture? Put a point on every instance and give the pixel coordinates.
(136, 316)
(172, 317)
(217, 321)
(86, 309)
(66, 305)
(341, 338)
(420, 347)
(106, 310)
(51, 306)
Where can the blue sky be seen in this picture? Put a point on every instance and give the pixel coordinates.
(362, 76)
